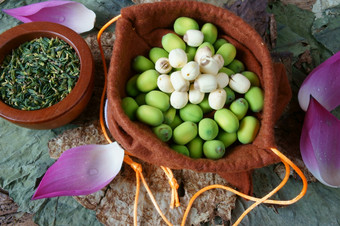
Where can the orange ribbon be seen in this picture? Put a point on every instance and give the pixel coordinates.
(173, 182)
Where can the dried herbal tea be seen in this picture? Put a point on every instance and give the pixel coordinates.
(38, 74)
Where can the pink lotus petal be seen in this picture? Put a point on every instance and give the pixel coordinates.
(81, 171)
(323, 83)
(320, 144)
(68, 13)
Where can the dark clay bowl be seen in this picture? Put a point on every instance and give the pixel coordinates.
(74, 103)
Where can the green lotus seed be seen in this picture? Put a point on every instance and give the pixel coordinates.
(227, 138)
(219, 42)
(228, 52)
(130, 107)
(155, 53)
(253, 78)
(196, 148)
(131, 86)
(149, 115)
(213, 149)
(158, 99)
(210, 32)
(205, 105)
(236, 66)
(191, 52)
(185, 132)
(209, 45)
(180, 149)
(191, 112)
(163, 132)
(239, 107)
(255, 98)
(227, 71)
(169, 116)
(176, 122)
(227, 120)
(182, 24)
(230, 95)
(171, 41)
(140, 99)
(248, 130)
(147, 81)
(141, 64)
(207, 129)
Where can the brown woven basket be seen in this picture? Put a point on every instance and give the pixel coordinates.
(140, 28)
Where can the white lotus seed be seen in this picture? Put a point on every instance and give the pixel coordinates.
(178, 82)
(178, 99)
(178, 58)
(204, 51)
(217, 99)
(162, 65)
(164, 83)
(239, 83)
(219, 59)
(208, 65)
(222, 80)
(205, 83)
(193, 38)
(195, 96)
(190, 71)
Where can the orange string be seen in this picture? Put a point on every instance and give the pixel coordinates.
(258, 201)
(172, 181)
(136, 166)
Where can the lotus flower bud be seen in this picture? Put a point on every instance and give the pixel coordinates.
(164, 83)
(205, 83)
(201, 52)
(195, 96)
(178, 82)
(193, 38)
(239, 83)
(190, 71)
(178, 99)
(208, 65)
(178, 58)
(163, 66)
(217, 99)
(222, 80)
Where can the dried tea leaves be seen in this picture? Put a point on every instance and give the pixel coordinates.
(38, 74)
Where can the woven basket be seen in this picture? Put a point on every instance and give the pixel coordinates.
(140, 28)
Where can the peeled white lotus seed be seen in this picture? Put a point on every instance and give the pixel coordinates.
(217, 99)
(193, 38)
(222, 80)
(162, 65)
(208, 65)
(205, 83)
(195, 96)
(190, 71)
(219, 59)
(178, 99)
(178, 82)
(239, 83)
(178, 58)
(202, 52)
(164, 83)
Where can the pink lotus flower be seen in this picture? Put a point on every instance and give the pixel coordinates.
(81, 171)
(320, 143)
(68, 13)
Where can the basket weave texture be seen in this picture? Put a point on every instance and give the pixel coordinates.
(140, 28)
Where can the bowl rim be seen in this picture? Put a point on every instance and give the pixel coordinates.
(29, 31)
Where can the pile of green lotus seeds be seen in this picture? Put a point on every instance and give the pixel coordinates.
(194, 93)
